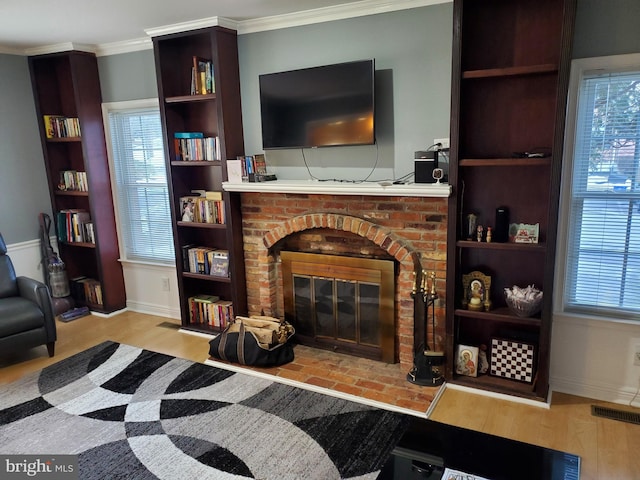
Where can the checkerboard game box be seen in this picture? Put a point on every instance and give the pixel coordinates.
(511, 359)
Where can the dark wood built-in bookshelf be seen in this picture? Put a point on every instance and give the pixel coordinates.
(216, 114)
(509, 89)
(67, 85)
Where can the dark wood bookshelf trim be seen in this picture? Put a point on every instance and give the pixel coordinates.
(70, 193)
(79, 244)
(209, 278)
(191, 98)
(511, 71)
(504, 162)
(64, 139)
(527, 247)
(202, 328)
(196, 163)
(502, 315)
(499, 384)
(202, 225)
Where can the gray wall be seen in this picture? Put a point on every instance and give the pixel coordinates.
(23, 186)
(412, 50)
(128, 76)
(606, 27)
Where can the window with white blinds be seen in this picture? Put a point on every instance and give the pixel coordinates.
(602, 275)
(142, 197)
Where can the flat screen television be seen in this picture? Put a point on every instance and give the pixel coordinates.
(330, 105)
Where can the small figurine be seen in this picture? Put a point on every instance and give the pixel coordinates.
(488, 234)
(483, 363)
(480, 230)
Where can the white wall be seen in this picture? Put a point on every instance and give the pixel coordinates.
(594, 358)
(143, 283)
(27, 259)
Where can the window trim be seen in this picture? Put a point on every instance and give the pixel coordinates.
(107, 108)
(579, 67)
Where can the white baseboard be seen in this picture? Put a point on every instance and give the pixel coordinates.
(153, 309)
(109, 315)
(604, 392)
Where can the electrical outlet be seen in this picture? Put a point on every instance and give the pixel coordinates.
(165, 284)
(636, 356)
(443, 141)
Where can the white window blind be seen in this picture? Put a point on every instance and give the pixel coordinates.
(603, 250)
(141, 185)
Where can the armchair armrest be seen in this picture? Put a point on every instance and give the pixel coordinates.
(38, 293)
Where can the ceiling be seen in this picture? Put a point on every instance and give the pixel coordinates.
(29, 25)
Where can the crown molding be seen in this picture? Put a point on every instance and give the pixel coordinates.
(192, 25)
(11, 51)
(328, 14)
(128, 46)
(306, 17)
(60, 47)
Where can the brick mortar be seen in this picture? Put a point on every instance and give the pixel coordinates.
(411, 243)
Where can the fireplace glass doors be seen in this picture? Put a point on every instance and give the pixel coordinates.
(345, 304)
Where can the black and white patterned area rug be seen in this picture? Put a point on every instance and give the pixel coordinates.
(131, 413)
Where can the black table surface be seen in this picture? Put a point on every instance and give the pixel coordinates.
(428, 447)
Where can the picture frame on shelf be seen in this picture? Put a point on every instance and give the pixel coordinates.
(476, 291)
(467, 360)
(524, 233)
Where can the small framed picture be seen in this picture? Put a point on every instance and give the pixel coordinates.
(467, 360)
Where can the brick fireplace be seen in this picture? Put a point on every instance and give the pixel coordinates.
(410, 230)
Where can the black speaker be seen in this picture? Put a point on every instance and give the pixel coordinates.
(425, 162)
(501, 231)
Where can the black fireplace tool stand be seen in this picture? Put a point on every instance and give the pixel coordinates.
(428, 364)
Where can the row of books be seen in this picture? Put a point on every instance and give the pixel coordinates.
(248, 168)
(207, 208)
(75, 225)
(253, 165)
(195, 147)
(210, 310)
(205, 260)
(73, 180)
(58, 126)
(86, 290)
(202, 79)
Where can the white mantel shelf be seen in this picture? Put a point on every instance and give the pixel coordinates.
(442, 190)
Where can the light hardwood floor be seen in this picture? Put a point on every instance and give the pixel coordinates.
(609, 449)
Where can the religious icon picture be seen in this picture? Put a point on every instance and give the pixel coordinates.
(467, 360)
(476, 287)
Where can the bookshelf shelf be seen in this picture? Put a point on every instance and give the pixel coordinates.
(196, 163)
(70, 193)
(205, 97)
(207, 278)
(215, 115)
(511, 71)
(64, 140)
(215, 226)
(67, 85)
(524, 247)
(504, 162)
(79, 244)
